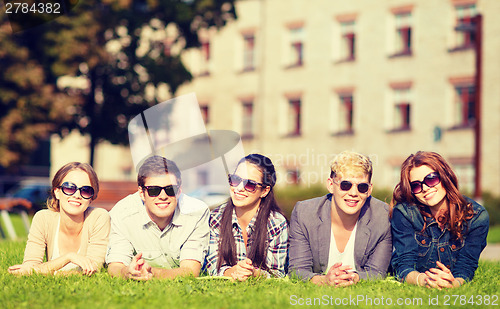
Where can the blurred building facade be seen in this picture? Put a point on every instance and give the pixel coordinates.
(303, 81)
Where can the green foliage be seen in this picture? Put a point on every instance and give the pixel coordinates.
(77, 44)
(492, 204)
(18, 224)
(102, 291)
(288, 196)
(29, 106)
(493, 234)
(384, 195)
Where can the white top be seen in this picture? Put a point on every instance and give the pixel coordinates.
(346, 257)
(133, 231)
(56, 253)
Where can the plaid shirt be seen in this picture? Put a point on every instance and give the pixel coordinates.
(277, 252)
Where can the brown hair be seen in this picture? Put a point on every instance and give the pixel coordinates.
(459, 210)
(157, 166)
(52, 201)
(259, 238)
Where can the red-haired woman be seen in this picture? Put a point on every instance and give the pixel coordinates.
(438, 234)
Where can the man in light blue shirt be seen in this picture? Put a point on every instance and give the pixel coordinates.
(158, 231)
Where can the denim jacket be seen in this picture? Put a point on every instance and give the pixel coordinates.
(417, 250)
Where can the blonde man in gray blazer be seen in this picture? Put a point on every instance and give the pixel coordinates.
(344, 236)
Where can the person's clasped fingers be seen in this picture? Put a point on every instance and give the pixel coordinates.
(429, 283)
(445, 284)
(344, 283)
(437, 275)
(246, 264)
(344, 268)
(443, 267)
(448, 277)
(346, 276)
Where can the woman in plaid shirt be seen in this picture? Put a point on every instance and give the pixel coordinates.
(249, 233)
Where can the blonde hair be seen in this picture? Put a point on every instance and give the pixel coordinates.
(349, 163)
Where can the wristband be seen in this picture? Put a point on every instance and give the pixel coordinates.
(418, 284)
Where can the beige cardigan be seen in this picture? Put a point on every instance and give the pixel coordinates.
(94, 235)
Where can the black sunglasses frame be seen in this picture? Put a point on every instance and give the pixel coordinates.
(428, 178)
(84, 190)
(246, 182)
(170, 190)
(346, 185)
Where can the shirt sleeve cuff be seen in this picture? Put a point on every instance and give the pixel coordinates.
(401, 276)
(118, 258)
(193, 254)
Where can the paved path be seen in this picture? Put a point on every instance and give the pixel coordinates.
(491, 252)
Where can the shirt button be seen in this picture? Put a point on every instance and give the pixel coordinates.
(423, 242)
(442, 249)
(453, 247)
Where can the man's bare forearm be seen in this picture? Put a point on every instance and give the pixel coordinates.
(117, 270)
(173, 273)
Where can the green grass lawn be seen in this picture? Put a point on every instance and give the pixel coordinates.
(494, 235)
(102, 291)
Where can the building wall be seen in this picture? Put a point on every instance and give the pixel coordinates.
(430, 70)
(111, 162)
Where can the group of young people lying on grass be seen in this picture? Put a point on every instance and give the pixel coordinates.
(430, 235)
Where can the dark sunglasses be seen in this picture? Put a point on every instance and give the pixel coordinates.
(430, 181)
(249, 185)
(154, 191)
(70, 188)
(346, 185)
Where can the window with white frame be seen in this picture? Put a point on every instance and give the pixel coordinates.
(292, 176)
(202, 177)
(248, 52)
(465, 37)
(205, 58)
(402, 108)
(205, 113)
(247, 119)
(345, 113)
(294, 116)
(464, 105)
(348, 40)
(465, 174)
(403, 42)
(296, 47)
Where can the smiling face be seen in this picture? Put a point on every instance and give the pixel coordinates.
(243, 198)
(351, 201)
(433, 197)
(159, 208)
(73, 205)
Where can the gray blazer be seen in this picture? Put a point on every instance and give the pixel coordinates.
(310, 231)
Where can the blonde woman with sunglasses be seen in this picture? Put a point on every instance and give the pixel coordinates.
(249, 234)
(344, 236)
(438, 233)
(71, 235)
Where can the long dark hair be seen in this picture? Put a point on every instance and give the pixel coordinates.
(459, 210)
(259, 238)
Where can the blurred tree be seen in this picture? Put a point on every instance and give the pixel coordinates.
(30, 108)
(122, 51)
